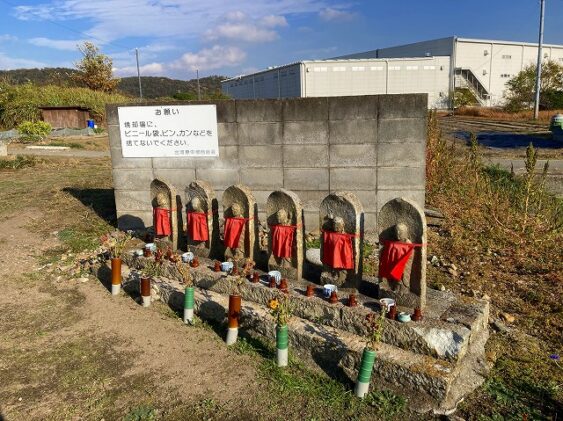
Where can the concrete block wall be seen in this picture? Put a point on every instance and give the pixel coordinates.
(373, 146)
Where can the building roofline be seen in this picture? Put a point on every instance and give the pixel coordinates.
(497, 41)
(334, 60)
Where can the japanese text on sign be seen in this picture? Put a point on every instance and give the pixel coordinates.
(168, 131)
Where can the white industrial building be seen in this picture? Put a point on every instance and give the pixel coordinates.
(436, 67)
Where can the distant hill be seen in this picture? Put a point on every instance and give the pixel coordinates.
(153, 86)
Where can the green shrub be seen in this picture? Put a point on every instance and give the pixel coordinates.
(34, 130)
(19, 103)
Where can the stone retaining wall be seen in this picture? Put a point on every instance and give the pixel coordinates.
(373, 146)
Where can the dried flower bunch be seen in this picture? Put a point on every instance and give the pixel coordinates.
(152, 269)
(115, 242)
(374, 323)
(184, 270)
(281, 309)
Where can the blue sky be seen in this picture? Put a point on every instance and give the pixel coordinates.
(175, 37)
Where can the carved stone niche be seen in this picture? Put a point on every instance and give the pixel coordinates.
(341, 222)
(285, 239)
(202, 219)
(165, 218)
(239, 234)
(402, 237)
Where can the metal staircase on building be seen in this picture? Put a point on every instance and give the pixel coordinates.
(473, 83)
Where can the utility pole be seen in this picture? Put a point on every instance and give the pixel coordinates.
(198, 92)
(539, 65)
(139, 73)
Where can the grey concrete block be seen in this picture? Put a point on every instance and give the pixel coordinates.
(260, 133)
(384, 196)
(134, 220)
(130, 200)
(311, 199)
(174, 163)
(406, 178)
(370, 225)
(352, 179)
(227, 133)
(353, 107)
(311, 221)
(305, 109)
(228, 158)
(262, 178)
(305, 132)
(402, 130)
(368, 199)
(401, 154)
(133, 179)
(114, 137)
(260, 156)
(220, 179)
(305, 156)
(261, 197)
(305, 179)
(3, 149)
(178, 178)
(226, 111)
(111, 115)
(118, 162)
(403, 106)
(260, 110)
(353, 155)
(353, 131)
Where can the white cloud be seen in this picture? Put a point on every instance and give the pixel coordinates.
(329, 14)
(212, 58)
(241, 31)
(57, 44)
(272, 21)
(8, 38)
(151, 69)
(185, 19)
(10, 63)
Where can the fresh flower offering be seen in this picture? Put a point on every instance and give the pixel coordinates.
(281, 309)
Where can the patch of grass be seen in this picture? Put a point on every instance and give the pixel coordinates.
(314, 395)
(502, 230)
(72, 145)
(19, 162)
(141, 413)
(77, 241)
(387, 403)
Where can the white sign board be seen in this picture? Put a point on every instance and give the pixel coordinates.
(168, 131)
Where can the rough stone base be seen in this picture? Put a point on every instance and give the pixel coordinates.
(433, 363)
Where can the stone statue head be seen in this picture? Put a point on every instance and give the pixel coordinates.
(402, 232)
(282, 217)
(338, 224)
(161, 200)
(196, 204)
(236, 209)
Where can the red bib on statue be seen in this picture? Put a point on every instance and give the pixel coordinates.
(161, 221)
(337, 250)
(394, 259)
(282, 240)
(233, 231)
(197, 226)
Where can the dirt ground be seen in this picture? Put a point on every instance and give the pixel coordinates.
(71, 351)
(58, 331)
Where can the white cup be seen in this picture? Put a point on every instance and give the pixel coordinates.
(328, 288)
(187, 257)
